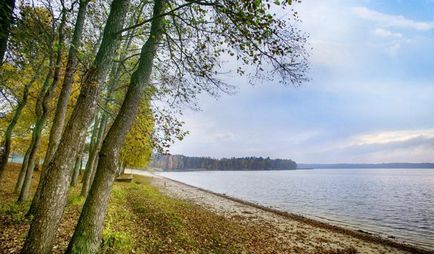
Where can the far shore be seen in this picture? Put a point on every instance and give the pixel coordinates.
(286, 224)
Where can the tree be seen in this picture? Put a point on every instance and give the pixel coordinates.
(28, 56)
(78, 164)
(98, 130)
(193, 47)
(44, 98)
(65, 93)
(53, 194)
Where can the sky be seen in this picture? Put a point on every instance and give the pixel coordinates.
(370, 98)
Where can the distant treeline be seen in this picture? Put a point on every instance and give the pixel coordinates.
(181, 162)
(372, 165)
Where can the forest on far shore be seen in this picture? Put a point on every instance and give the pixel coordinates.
(181, 162)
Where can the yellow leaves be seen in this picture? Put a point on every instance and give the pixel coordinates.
(137, 149)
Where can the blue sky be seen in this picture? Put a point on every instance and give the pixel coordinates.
(370, 98)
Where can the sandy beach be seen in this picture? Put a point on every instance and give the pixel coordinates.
(294, 231)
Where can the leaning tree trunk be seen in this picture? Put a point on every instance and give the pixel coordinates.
(34, 146)
(62, 103)
(87, 235)
(39, 115)
(29, 162)
(76, 171)
(42, 109)
(6, 17)
(8, 134)
(93, 151)
(20, 180)
(77, 165)
(51, 204)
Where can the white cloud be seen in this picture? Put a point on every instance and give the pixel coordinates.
(396, 21)
(386, 33)
(376, 147)
(392, 136)
(393, 41)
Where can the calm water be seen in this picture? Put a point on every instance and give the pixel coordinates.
(390, 202)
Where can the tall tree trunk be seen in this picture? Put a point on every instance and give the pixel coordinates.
(42, 108)
(52, 200)
(34, 146)
(124, 166)
(93, 150)
(62, 103)
(8, 134)
(6, 15)
(87, 235)
(77, 166)
(20, 180)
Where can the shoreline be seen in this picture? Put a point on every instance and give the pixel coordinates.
(162, 183)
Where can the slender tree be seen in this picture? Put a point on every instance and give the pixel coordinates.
(77, 165)
(8, 134)
(97, 130)
(28, 52)
(77, 168)
(50, 206)
(42, 104)
(62, 102)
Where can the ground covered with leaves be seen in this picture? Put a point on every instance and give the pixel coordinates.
(143, 220)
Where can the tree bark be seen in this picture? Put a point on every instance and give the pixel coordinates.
(87, 235)
(77, 166)
(53, 196)
(93, 151)
(8, 134)
(6, 15)
(34, 146)
(20, 180)
(124, 166)
(75, 172)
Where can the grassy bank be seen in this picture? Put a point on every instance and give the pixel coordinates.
(143, 220)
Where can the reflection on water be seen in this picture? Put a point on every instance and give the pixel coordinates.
(392, 202)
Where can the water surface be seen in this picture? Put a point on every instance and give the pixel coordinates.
(391, 202)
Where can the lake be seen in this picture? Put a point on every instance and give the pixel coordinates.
(396, 203)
